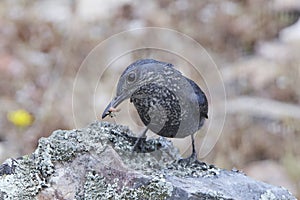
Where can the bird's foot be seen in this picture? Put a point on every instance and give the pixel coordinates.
(192, 167)
(139, 145)
(142, 145)
(192, 161)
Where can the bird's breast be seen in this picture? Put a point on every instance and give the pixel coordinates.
(158, 108)
(164, 111)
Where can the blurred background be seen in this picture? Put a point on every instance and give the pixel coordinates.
(255, 44)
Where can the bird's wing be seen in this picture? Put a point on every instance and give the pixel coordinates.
(201, 98)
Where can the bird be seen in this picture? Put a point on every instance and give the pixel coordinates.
(168, 103)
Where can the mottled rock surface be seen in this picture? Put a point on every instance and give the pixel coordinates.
(97, 162)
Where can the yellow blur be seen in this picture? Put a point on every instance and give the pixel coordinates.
(20, 118)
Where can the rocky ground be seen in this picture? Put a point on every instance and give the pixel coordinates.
(98, 162)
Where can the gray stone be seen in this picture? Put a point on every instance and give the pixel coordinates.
(97, 162)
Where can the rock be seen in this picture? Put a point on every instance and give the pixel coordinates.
(97, 162)
(273, 173)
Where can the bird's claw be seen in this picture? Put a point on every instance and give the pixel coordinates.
(139, 145)
(190, 161)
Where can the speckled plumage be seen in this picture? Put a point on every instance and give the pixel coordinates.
(168, 103)
(155, 97)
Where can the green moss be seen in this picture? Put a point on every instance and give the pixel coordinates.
(24, 183)
(157, 188)
(99, 187)
(268, 195)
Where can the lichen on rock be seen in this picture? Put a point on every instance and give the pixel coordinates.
(97, 162)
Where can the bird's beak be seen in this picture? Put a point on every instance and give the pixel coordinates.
(113, 104)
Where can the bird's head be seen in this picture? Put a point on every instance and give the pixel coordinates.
(137, 74)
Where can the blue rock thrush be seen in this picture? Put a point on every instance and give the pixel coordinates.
(168, 103)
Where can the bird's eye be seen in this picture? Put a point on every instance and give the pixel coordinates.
(131, 77)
